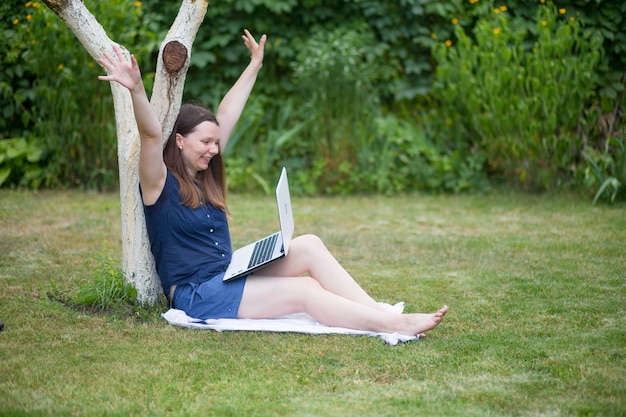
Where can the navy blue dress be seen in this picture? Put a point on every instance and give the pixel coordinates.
(192, 250)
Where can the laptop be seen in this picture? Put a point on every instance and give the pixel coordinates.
(261, 253)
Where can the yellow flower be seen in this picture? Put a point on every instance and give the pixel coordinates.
(28, 4)
(28, 17)
(562, 11)
(60, 67)
(544, 23)
(496, 31)
(542, 1)
(448, 42)
(496, 11)
(36, 5)
(473, 1)
(504, 8)
(16, 21)
(137, 4)
(571, 19)
(433, 35)
(455, 21)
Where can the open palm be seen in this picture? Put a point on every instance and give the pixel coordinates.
(120, 69)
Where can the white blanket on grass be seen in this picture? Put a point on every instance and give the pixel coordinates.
(296, 323)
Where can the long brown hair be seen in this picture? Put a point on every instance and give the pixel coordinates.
(209, 185)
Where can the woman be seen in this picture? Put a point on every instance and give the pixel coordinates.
(183, 192)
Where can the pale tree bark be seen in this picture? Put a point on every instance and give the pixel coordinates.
(172, 66)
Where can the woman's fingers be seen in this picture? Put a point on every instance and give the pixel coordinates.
(118, 52)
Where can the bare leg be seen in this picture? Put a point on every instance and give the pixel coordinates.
(268, 297)
(309, 256)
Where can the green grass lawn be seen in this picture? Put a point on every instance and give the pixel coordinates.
(537, 325)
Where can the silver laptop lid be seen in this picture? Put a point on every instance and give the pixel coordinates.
(285, 215)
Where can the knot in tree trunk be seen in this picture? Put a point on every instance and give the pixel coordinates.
(174, 57)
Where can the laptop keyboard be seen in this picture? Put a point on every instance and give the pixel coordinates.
(263, 250)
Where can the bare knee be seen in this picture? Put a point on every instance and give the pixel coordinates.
(308, 243)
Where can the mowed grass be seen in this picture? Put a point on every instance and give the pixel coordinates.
(537, 325)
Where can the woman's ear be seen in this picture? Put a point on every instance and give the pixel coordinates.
(179, 141)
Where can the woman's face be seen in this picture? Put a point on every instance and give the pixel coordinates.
(199, 146)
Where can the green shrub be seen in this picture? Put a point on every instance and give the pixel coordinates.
(332, 133)
(334, 73)
(22, 162)
(403, 158)
(607, 170)
(259, 144)
(47, 82)
(56, 95)
(520, 104)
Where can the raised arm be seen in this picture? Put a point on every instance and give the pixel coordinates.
(232, 104)
(152, 169)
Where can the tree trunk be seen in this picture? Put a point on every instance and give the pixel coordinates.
(174, 55)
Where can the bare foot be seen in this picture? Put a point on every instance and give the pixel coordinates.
(418, 324)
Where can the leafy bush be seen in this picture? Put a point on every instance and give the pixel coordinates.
(607, 170)
(402, 32)
(332, 132)
(606, 18)
(56, 95)
(47, 81)
(22, 162)
(520, 104)
(334, 73)
(259, 144)
(404, 158)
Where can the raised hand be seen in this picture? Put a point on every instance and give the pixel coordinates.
(257, 50)
(120, 69)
